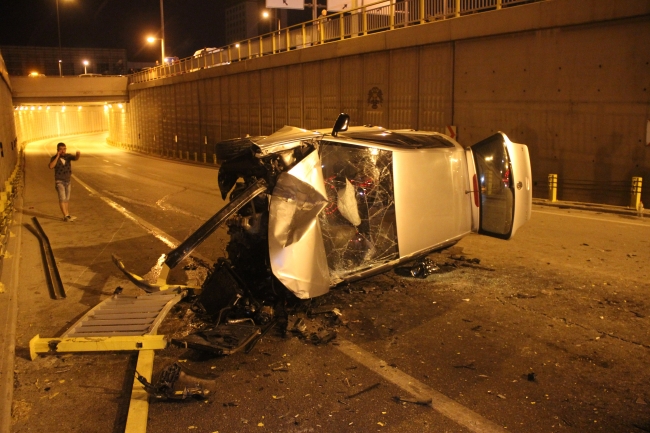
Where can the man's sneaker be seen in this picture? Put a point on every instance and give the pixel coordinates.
(69, 218)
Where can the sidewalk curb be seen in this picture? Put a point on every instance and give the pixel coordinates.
(620, 210)
(10, 277)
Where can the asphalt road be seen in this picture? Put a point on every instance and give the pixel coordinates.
(548, 333)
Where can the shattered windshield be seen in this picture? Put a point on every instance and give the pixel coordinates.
(358, 223)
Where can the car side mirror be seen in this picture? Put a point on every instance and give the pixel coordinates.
(341, 124)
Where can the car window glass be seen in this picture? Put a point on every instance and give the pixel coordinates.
(495, 184)
(358, 224)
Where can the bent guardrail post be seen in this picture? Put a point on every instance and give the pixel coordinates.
(53, 278)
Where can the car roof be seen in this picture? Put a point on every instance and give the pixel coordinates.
(285, 138)
(400, 139)
(290, 137)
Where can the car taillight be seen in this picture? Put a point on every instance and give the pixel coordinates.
(475, 191)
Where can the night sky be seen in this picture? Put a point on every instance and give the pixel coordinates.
(189, 25)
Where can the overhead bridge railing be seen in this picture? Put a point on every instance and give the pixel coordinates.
(381, 16)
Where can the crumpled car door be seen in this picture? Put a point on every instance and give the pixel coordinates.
(296, 246)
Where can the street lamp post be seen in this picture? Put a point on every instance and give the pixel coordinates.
(267, 15)
(58, 27)
(162, 31)
(151, 39)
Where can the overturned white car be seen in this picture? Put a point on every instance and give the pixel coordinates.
(311, 209)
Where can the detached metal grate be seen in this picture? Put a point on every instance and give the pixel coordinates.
(118, 323)
(121, 315)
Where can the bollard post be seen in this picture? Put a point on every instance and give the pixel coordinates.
(195, 157)
(635, 192)
(187, 155)
(552, 188)
(214, 158)
(204, 158)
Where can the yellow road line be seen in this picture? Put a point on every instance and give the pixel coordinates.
(136, 421)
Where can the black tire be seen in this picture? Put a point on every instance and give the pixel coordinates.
(228, 149)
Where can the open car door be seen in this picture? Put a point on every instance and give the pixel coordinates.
(503, 184)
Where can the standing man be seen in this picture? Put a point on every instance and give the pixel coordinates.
(62, 165)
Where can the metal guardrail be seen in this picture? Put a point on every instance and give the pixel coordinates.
(381, 16)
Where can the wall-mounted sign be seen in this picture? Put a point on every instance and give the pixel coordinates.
(375, 97)
(285, 4)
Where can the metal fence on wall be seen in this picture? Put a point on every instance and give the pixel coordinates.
(357, 22)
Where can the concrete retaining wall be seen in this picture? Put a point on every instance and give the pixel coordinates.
(567, 77)
(8, 138)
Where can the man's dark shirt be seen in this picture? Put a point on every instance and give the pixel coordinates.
(63, 167)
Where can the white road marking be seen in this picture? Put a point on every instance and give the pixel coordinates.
(106, 160)
(441, 403)
(119, 165)
(593, 219)
(168, 240)
(164, 237)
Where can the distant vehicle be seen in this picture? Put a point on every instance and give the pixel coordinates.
(209, 57)
(35, 74)
(171, 60)
(90, 75)
(204, 51)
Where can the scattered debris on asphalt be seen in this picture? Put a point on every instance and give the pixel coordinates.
(423, 267)
(418, 269)
(164, 388)
(469, 366)
(369, 388)
(427, 402)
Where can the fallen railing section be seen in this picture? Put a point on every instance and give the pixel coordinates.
(57, 291)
